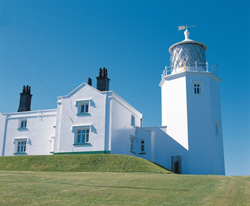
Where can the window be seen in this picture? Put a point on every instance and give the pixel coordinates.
(217, 129)
(133, 120)
(21, 147)
(84, 108)
(197, 89)
(82, 136)
(142, 146)
(22, 124)
(132, 144)
(52, 140)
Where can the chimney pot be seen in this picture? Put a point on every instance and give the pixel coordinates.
(103, 80)
(25, 99)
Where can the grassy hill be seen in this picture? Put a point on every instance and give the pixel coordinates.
(121, 188)
(111, 180)
(80, 163)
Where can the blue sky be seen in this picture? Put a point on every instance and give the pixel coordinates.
(54, 46)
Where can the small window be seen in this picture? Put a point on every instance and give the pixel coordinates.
(132, 145)
(197, 89)
(21, 146)
(217, 129)
(23, 124)
(133, 120)
(142, 146)
(84, 108)
(82, 136)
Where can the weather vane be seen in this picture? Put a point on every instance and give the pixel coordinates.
(184, 27)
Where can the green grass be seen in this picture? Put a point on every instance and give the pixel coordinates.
(80, 163)
(106, 179)
(116, 188)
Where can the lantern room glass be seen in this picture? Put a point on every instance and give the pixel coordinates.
(192, 54)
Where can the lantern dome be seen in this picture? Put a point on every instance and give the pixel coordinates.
(187, 53)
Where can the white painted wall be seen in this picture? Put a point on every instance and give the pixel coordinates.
(174, 116)
(121, 125)
(190, 122)
(174, 107)
(148, 136)
(68, 119)
(40, 128)
(158, 144)
(205, 148)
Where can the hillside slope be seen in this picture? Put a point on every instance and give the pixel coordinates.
(116, 188)
(80, 163)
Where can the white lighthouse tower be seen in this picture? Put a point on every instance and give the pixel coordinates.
(191, 110)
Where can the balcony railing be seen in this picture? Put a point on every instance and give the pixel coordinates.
(194, 68)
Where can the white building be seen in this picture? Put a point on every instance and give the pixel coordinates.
(90, 121)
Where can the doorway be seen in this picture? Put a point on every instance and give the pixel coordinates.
(176, 164)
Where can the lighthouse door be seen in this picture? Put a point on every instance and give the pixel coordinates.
(176, 164)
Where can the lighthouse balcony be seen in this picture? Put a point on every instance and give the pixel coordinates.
(190, 68)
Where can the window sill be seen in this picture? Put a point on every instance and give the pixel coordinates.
(22, 128)
(81, 144)
(142, 153)
(132, 152)
(20, 153)
(82, 114)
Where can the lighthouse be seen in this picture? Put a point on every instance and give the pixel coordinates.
(190, 99)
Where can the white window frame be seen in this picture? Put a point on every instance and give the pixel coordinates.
(83, 134)
(84, 108)
(197, 88)
(76, 128)
(21, 124)
(132, 144)
(133, 120)
(142, 143)
(21, 144)
(19, 140)
(194, 84)
(83, 103)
